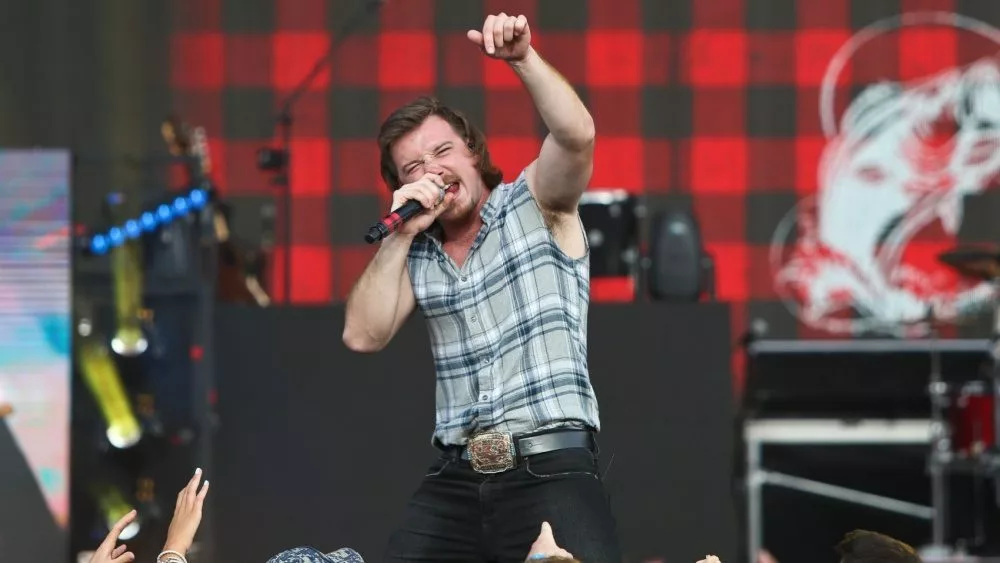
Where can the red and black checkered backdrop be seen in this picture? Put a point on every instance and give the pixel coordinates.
(716, 105)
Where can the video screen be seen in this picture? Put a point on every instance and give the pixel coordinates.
(35, 321)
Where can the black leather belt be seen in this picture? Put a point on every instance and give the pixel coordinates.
(525, 446)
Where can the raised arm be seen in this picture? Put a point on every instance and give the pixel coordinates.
(564, 166)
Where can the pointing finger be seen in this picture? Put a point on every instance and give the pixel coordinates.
(116, 530)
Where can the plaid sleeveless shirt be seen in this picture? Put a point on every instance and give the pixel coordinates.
(508, 329)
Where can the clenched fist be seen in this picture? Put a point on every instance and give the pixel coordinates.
(430, 191)
(503, 37)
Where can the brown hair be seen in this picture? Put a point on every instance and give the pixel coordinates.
(862, 546)
(410, 116)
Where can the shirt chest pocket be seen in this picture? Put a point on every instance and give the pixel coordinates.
(489, 251)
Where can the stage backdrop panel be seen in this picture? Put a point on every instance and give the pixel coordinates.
(319, 445)
(742, 110)
(34, 353)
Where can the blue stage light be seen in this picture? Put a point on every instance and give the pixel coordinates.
(99, 244)
(115, 236)
(180, 206)
(132, 229)
(198, 198)
(148, 221)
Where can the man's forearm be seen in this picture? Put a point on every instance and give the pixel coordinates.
(562, 110)
(373, 304)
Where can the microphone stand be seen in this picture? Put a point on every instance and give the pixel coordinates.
(279, 160)
(941, 449)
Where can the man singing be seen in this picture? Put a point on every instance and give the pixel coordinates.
(501, 274)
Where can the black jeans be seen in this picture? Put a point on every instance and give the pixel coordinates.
(460, 515)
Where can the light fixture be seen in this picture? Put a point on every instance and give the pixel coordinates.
(149, 221)
(113, 507)
(102, 378)
(126, 272)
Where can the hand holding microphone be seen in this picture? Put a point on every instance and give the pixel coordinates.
(414, 207)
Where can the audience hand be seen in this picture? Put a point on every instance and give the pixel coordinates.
(710, 559)
(187, 515)
(107, 552)
(545, 545)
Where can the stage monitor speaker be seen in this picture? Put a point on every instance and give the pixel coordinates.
(679, 268)
(611, 221)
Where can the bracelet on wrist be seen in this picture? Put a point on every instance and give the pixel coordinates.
(170, 556)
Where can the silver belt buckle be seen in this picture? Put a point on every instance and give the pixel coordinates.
(491, 452)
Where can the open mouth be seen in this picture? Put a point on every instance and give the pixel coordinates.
(451, 188)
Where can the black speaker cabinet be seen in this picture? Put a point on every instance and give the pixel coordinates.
(611, 220)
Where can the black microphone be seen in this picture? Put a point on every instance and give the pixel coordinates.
(391, 222)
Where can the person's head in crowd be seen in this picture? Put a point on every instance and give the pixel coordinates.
(863, 546)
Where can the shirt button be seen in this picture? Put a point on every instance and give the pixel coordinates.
(465, 278)
(472, 318)
(484, 397)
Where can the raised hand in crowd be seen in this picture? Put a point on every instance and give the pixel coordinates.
(107, 552)
(710, 559)
(187, 518)
(545, 547)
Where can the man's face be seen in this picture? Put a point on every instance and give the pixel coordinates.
(435, 148)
